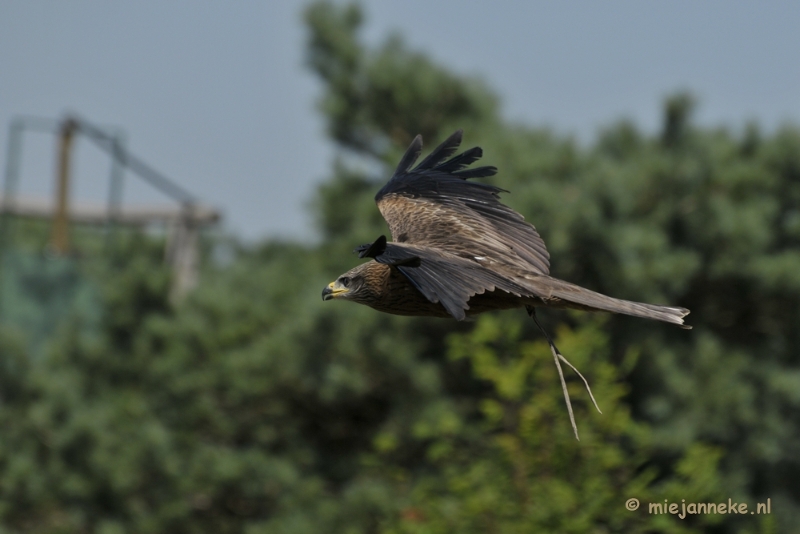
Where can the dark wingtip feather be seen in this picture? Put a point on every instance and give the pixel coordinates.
(463, 160)
(443, 151)
(411, 155)
(373, 249)
(477, 172)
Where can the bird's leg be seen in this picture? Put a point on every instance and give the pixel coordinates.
(558, 357)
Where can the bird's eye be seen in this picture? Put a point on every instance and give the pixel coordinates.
(345, 281)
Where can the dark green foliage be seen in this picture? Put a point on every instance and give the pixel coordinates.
(700, 218)
(255, 407)
(516, 468)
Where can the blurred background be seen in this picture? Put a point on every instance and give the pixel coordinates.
(181, 181)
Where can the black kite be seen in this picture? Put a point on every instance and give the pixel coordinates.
(457, 251)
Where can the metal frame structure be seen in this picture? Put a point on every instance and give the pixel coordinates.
(181, 252)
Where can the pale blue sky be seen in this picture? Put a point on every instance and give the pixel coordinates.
(215, 94)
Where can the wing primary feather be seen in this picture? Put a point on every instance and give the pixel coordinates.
(441, 152)
(462, 160)
(411, 155)
(477, 172)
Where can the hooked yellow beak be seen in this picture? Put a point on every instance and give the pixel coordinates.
(331, 291)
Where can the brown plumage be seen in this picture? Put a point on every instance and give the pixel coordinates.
(458, 251)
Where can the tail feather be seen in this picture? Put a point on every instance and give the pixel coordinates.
(560, 294)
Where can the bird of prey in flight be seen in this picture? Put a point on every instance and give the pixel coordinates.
(457, 251)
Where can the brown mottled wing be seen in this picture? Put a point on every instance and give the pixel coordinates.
(434, 205)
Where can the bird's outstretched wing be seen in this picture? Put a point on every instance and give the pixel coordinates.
(452, 280)
(434, 205)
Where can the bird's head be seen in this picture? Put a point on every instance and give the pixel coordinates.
(359, 284)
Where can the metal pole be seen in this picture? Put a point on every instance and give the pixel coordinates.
(183, 254)
(138, 166)
(12, 163)
(59, 241)
(115, 187)
(10, 180)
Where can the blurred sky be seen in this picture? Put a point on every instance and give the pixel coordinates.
(216, 95)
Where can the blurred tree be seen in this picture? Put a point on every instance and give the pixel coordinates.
(700, 218)
(517, 468)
